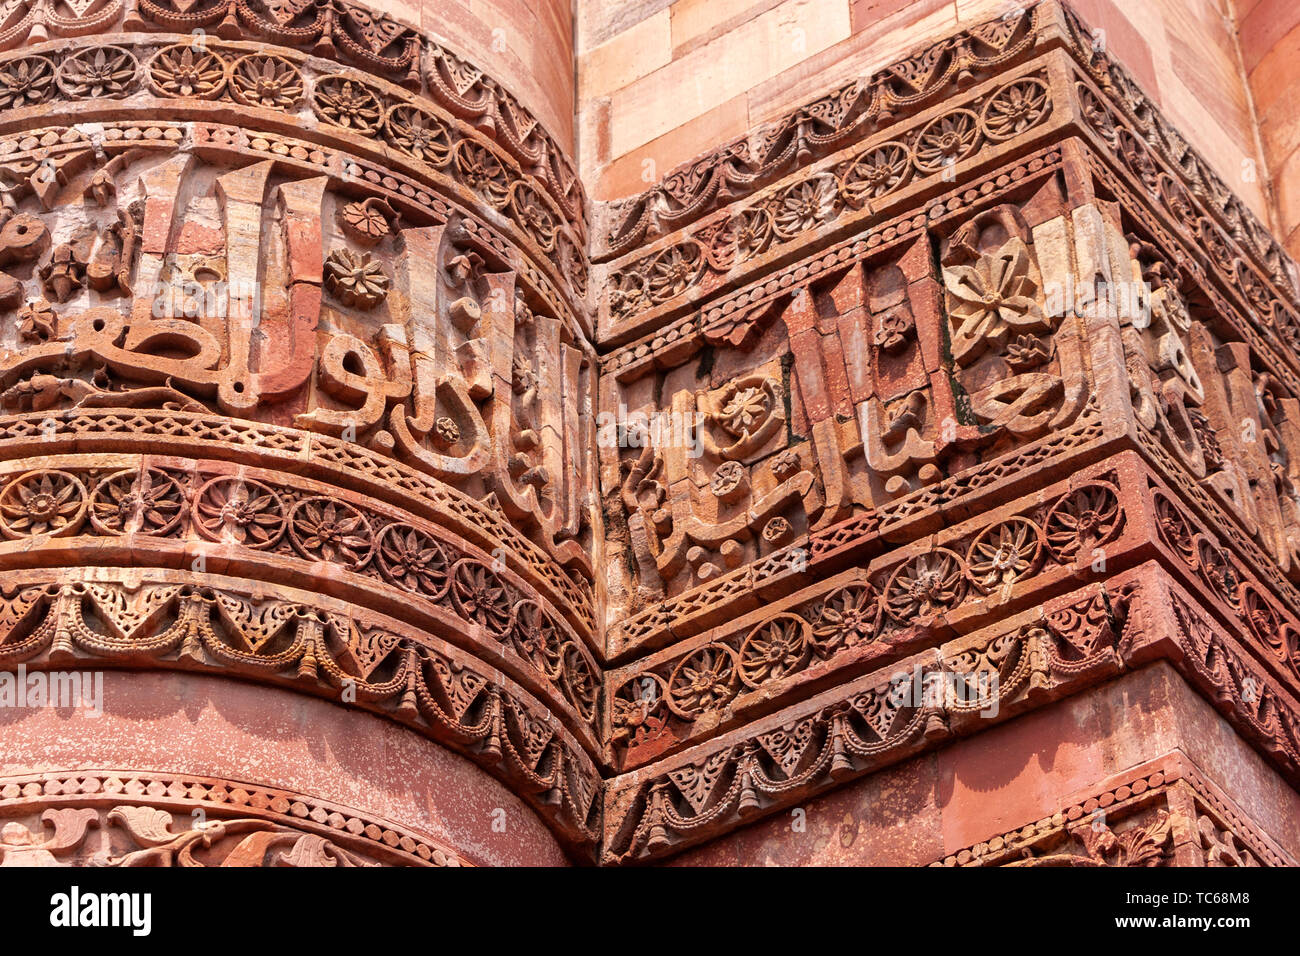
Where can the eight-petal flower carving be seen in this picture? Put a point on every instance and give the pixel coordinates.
(991, 299)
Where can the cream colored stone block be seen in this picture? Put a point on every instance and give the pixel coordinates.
(723, 68)
(632, 54)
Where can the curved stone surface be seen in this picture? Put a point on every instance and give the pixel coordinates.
(294, 380)
(400, 533)
(232, 750)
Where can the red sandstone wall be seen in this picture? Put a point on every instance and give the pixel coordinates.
(1046, 763)
(182, 727)
(660, 82)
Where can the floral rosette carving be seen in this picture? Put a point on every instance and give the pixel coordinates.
(138, 501)
(848, 617)
(1174, 529)
(1097, 114)
(875, 173)
(1217, 570)
(581, 686)
(482, 171)
(26, 82)
(482, 597)
(991, 299)
(945, 140)
(262, 79)
(673, 271)
(346, 103)
(322, 529)
(355, 279)
(1263, 621)
(703, 682)
(187, 70)
(43, 503)
(98, 73)
(537, 638)
(895, 331)
(367, 222)
(638, 710)
(1083, 521)
(774, 649)
(751, 232)
(927, 585)
(1016, 107)
(748, 411)
(418, 134)
(730, 481)
(530, 211)
(240, 511)
(1003, 554)
(414, 560)
(805, 206)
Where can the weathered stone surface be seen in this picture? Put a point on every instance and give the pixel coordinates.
(964, 391)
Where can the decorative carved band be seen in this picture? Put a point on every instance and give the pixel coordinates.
(830, 122)
(338, 30)
(139, 818)
(90, 617)
(1164, 813)
(300, 383)
(1038, 656)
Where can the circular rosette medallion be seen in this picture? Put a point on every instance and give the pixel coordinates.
(239, 511)
(704, 681)
(143, 502)
(1217, 571)
(847, 617)
(482, 171)
(927, 585)
(1083, 521)
(1175, 530)
(481, 596)
(946, 139)
(638, 709)
(1015, 108)
(189, 71)
(774, 649)
(414, 560)
(1003, 554)
(537, 639)
(1264, 622)
(875, 173)
(42, 503)
(267, 81)
(323, 529)
(346, 103)
(418, 134)
(25, 82)
(581, 686)
(98, 73)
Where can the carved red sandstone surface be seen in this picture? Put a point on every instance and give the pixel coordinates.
(307, 379)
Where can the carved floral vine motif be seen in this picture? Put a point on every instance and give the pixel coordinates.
(819, 127)
(797, 211)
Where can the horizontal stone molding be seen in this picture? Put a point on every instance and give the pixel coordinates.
(1041, 655)
(84, 618)
(142, 817)
(347, 33)
(1206, 829)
